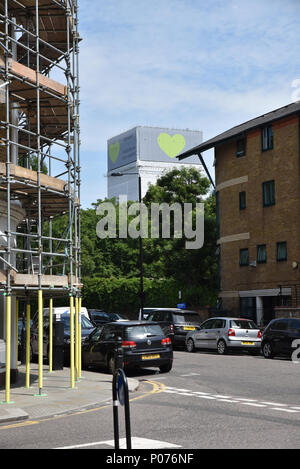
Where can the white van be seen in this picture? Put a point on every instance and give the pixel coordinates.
(59, 311)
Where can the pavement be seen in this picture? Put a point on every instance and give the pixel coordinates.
(56, 397)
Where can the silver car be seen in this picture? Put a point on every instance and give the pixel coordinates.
(222, 334)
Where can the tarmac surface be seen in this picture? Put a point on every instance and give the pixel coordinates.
(56, 397)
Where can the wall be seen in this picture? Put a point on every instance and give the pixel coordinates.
(257, 224)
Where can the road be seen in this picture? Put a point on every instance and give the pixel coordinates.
(206, 401)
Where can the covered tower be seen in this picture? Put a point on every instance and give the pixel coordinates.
(39, 158)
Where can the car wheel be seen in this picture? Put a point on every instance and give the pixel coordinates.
(190, 346)
(222, 347)
(111, 366)
(268, 350)
(166, 368)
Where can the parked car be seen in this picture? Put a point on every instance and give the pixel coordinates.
(20, 328)
(86, 328)
(99, 317)
(278, 337)
(223, 334)
(176, 323)
(144, 345)
(59, 311)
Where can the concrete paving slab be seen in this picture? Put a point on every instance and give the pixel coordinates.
(57, 396)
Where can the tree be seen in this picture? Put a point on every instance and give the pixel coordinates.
(199, 266)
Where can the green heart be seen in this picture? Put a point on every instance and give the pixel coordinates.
(172, 146)
(113, 151)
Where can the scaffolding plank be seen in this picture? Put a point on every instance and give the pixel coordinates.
(31, 75)
(21, 173)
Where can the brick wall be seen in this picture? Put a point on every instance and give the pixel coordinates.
(262, 225)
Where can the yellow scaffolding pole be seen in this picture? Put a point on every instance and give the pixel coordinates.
(17, 332)
(72, 342)
(79, 336)
(41, 333)
(27, 345)
(76, 338)
(50, 335)
(8, 349)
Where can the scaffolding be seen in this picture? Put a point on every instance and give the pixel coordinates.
(39, 149)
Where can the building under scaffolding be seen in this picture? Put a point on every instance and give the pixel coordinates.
(39, 159)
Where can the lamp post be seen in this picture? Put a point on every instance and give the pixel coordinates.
(118, 174)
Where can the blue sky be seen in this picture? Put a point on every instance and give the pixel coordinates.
(199, 64)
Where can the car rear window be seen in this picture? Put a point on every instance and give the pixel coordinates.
(243, 324)
(140, 332)
(187, 317)
(279, 325)
(294, 324)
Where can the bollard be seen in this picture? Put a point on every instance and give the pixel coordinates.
(121, 395)
(118, 353)
(27, 345)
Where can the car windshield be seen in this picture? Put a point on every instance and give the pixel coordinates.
(187, 317)
(85, 323)
(140, 332)
(116, 317)
(243, 324)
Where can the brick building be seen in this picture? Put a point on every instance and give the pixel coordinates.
(257, 174)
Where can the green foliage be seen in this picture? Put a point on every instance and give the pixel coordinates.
(110, 267)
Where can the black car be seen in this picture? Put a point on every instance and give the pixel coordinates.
(100, 317)
(143, 344)
(176, 323)
(86, 328)
(278, 337)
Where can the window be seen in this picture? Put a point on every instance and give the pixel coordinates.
(243, 324)
(242, 197)
(261, 254)
(281, 251)
(294, 325)
(268, 193)
(244, 257)
(192, 318)
(279, 325)
(208, 324)
(219, 324)
(241, 147)
(267, 138)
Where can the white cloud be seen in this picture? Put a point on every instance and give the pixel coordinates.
(181, 63)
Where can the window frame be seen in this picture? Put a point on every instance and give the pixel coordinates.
(241, 152)
(268, 138)
(270, 194)
(262, 261)
(244, 264)
(277, 247)
(242, 200)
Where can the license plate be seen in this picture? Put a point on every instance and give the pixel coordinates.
(248, 343)
(150, 357)
(188, 328)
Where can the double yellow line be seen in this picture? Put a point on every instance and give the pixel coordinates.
(157, 388)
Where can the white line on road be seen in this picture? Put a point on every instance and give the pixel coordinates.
(137, 443)
(234, 400)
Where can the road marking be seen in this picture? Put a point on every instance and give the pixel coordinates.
(234, 400)
(253, 404)
(246, 400)
(157, 387)
(285, 410)
(137, 443)
(274, 404)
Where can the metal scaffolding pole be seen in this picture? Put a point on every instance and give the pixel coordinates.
(39, 117)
